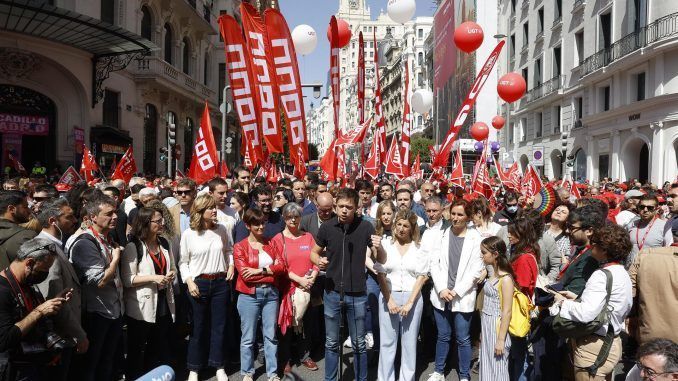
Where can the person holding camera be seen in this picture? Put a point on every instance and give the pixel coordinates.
(27, 343)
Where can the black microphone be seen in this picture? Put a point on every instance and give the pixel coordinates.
(161, 373)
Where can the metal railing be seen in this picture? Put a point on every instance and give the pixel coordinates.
(660, 29)
(558, 20)
(539, 36)
(149, 67)
(544, 89)
(578, 3)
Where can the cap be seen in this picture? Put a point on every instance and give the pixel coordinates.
(633, 193)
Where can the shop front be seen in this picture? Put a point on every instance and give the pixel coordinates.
(108, 145)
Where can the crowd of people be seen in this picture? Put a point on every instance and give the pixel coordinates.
(111, 280)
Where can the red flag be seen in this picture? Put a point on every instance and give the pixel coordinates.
(378, 111)
(457, 174)
(572, 187)
(531, 184)
(481, 180)
(89, 165)
(406, 126)
(373, 163)
(273, 176)
(70, 177)
(341, 162)
(334, 72)
(288, 81)
(204, 161)
(329, 161)
(245, 100)
(300, 165)
(507, 178)
(127, 166)
(393, 164)
(16, 164)
(223, 170)
(361, 78)
(264, 80)
(467, 107)
(417, 173)
(515, 176)
(355, 136)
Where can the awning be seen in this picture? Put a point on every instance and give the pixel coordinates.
(112, 47)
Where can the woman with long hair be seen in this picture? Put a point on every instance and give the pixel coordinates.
(296, 246)
(240, 203)
(385, 212)
(495, 316)
(206, 265)
(524, 261)
(259, 264)
(482, 217)
(401, 278)
(147, 272)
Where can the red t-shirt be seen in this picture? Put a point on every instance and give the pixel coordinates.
(526, 271)
(296, 252)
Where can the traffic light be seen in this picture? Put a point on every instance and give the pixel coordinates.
(172, 133)
(163, 153)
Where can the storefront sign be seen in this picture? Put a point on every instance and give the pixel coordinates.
(23, 124)
(110, 148)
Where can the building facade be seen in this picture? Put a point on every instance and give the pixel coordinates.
(602, 84)
(128, 100)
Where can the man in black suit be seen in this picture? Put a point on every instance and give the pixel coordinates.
(311, 222)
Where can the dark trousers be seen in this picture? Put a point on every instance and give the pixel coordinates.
(146, 345)
(209, 322)
(550, 351)
(59, 372)
(104, 335)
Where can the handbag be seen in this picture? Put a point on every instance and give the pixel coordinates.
(571, 329)
(300, 298)
(521, 308)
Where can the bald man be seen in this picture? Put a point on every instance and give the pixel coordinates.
(325, 205)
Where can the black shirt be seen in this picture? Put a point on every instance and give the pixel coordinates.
(10, 334)
(352, 241)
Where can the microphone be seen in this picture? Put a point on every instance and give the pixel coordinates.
(161, 373)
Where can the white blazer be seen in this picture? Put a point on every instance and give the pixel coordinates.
(436, 243)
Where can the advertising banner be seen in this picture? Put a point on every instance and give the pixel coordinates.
(23, 124)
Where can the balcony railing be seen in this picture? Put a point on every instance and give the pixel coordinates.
(155, 67)
(557, 20)
(578, 4)
(539, 37)
(661, 29)
(544, 89)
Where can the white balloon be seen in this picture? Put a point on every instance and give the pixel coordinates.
(422, 100)
(401, 10)
(305, 39)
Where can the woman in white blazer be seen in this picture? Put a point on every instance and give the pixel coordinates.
(147, 272)
(454, 291)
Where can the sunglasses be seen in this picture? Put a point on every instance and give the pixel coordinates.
(184, 192)
(646, 207)
(40, 199)
(160, 221)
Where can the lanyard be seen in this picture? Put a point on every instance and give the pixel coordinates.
(26, 301)
(562, 272)
(104, 243)
(649, 227)
(158, 258)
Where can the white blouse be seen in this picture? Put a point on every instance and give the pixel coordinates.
(593, 299)
(402, 270)
(209, 252)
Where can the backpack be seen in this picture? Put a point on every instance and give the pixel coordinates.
(140, 250)
(521, 308)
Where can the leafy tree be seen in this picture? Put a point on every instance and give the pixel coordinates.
(312, 151)
(420, 146)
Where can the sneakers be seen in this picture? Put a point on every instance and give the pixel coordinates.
(435, 376)
(347, 343)
(221, 375)
(193, 376)
(274, 378)
(288, 368)
(369, 340)
(247, 377)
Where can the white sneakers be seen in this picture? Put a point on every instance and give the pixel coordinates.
(347, 343)
(369, 341)
(193, 376)
(247, 377)
(221, 375)
(435, 376)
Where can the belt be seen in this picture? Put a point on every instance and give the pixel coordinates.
(211, 276)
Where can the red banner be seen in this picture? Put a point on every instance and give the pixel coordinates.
(416, 172)
(531, 182)
(265, 78)
(70, 177)
(329, 161)
(240, 77)
(457, 175)
(300, 165)
(355, 136)
(466, 108)
(204, 161)
(334, 72)
(89, 167)
(361, 79)
(481, 180)
(393, 163)
(127, 167)
(407, 124)
(378, 111)
(289, 83)
(23, 124)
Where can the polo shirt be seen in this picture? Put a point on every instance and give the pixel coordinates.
(351, 242)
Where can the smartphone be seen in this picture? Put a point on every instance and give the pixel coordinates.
(66, 294)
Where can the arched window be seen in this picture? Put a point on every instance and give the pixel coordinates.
(206, 70)
(168, 43)
(186, 56)
(146, 24)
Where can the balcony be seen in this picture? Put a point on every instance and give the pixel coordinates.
(539, 37)
(544, 89)
(661, 29)
(154, 69)
(578, 5)
(558, 21)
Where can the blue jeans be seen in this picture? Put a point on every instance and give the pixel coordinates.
(462, 332)
(518, 365)
(372, 316)
(263, 304)
(209, 320)
(355, 315)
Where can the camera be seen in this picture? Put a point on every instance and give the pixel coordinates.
(54, 342)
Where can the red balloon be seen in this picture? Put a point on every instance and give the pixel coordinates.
(468, 36)
(344, 33)
(511, 87)
(498, 122)
(479, 131)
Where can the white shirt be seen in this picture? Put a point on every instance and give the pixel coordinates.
(129, 204)
(226, 220)
(402, 270)
(593, 299)
(265, 259)
(230, 212)
(209, 252)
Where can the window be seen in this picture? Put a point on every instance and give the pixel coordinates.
(579, 47)
(510, 133)
(108, 11)
(603, 166)
(558, 10)
(111, 109)
(420, 58)
(557, 57)
(605, 31)
(557, 114)
(512, 42)
(526, 74)
(222, 81)
(420, 34)
(188, 139)
(540, 24)
(526, 34)
(186, 56)
(523, 127)
(353, 45)
(538, 79)
(371, 54)
(513, 7)
(420, 81)
(146, 24)
(371, 44)
(538, 125)
(640, 86)
(206, 70)
(579, 107)
(605, 98)
(369, 29)
(168, 44)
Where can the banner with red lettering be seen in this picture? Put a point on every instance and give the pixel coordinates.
(361, 78)
(393, 163)
(70, 177)
(504, 177)
(466, 108)
(378, 111)
(127, 167)
(204, 161)
(264, 80)
(242, 87)
(89, 167)
(24, 124)
(481, 180)
(406, 126)
(373, 164)
(514, 176)
(417, 172)
(289, 84)
(531, 184)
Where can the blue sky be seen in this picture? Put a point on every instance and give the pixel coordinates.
(316, 13)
